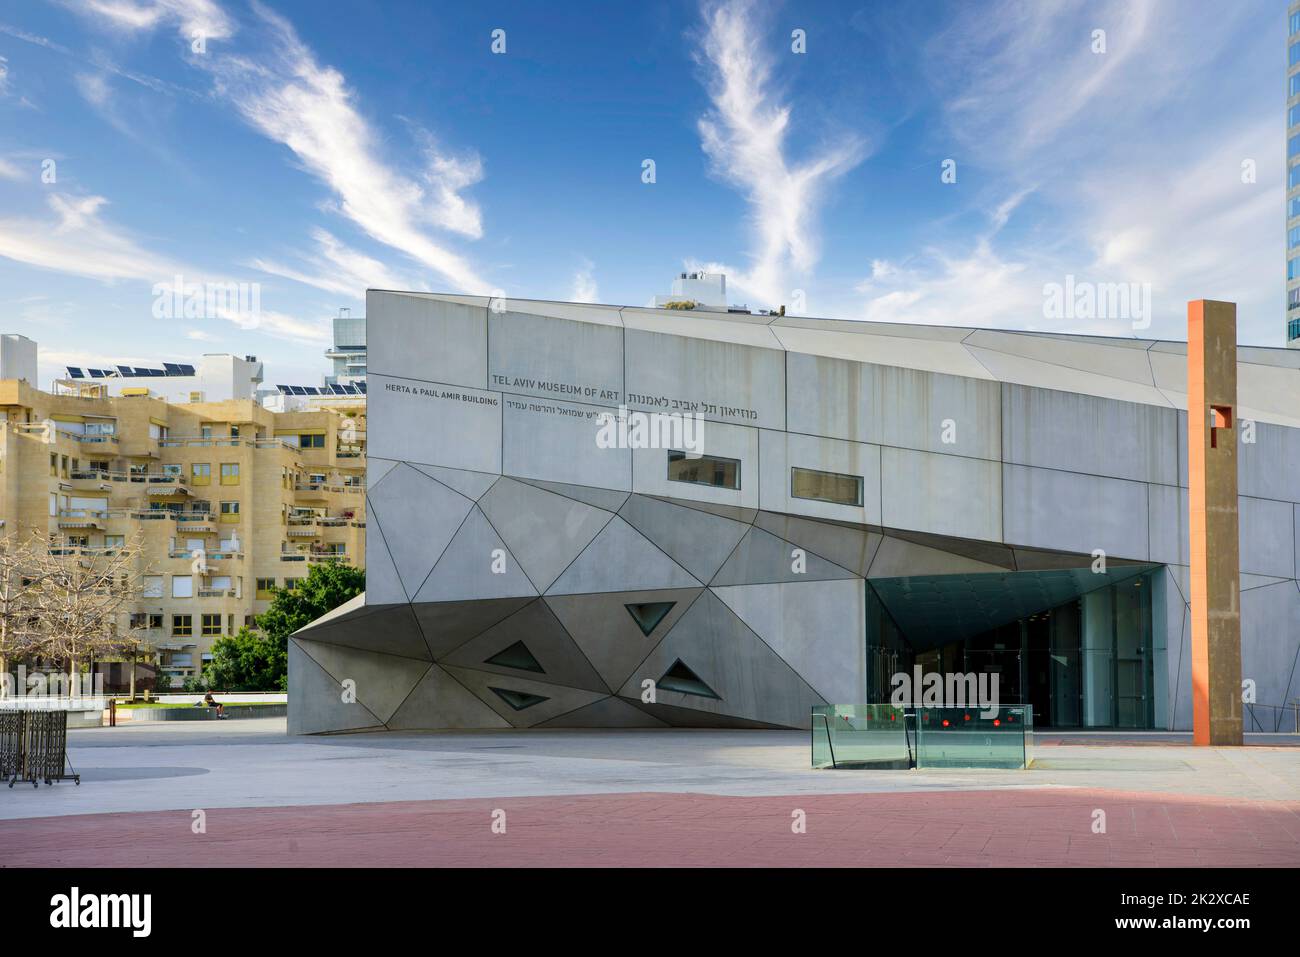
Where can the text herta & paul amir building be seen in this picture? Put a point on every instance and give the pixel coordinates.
(860, 498)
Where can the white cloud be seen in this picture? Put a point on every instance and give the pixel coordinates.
(339, 269)
(745, 138)
(199, 335)
(78, 241)
(8, 170)
(94, 89)
(1126, 186)
(132, 16)
(309, 108)
(584, 284)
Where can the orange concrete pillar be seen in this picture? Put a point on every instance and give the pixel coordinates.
(1212, 520)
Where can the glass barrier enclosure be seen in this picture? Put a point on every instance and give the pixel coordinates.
(971, 738)
(880, 736)
(860, 736)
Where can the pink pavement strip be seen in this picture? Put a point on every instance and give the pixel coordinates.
(990, 828)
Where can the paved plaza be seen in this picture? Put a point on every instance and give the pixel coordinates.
(641, 798)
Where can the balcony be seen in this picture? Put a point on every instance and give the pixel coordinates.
(217, 593)
(82, 518)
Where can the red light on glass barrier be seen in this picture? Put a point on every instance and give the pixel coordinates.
(997, 722)
(945, 722)
(967, 717)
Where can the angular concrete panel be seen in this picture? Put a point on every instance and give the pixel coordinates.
(380, 682)
(558, 701)
(941, 494)
(1045, 508)
(761, 558)
(543, 530)
(621, 559)
(723, 381)
(609, 635)
(1267, 537)
(560, 441)
(419, 517)
(850, 548)
(470, 484)
(536, 627)
(418, 337)
(439, 702)
(697, 541)
(650, 469)
(749, 678)
(609, 712)
(433, 424)
(816, 627)
(782, 452)
(448, 625)
(317, 705)
(387, 629)
(1082, 433)
(553, 358)
(383, 584)
(611, 500)
(476, 564)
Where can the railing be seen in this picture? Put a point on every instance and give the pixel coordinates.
(859, 736)
(217, 593)
(1271, 718)
(885, 736)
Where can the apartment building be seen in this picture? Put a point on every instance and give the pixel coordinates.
(232, 499)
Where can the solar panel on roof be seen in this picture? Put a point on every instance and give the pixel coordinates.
(96, 373)
(125, 371)
(285, 390)
(187, 370)
(171, 368)
(298, 390)
(76, 373)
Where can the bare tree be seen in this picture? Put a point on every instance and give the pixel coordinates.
(84, 600)
(22, 568)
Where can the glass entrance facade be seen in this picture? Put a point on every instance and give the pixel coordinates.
(1082, 660)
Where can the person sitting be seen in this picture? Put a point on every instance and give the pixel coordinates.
(212, 702)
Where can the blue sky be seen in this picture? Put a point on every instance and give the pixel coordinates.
(320, 148)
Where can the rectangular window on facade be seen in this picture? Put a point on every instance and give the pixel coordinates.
(306, 441)
(153, 586)
(229, 473)
(1293, 147)
(201, 473)
(114, 541)
(1293, 207)
(826, 486)
(155, 621)
(265, 589)
(1293, 269)
(1294, 25)
(230, 512)
(182, 586)
(182, 625)
(705, 470)
(1293, 54)
(291, 583)
(211, 625)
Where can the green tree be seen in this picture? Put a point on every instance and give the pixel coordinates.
(327, 585)
(245, 661)
(259, 660)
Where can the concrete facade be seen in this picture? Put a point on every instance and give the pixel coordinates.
(520, 574)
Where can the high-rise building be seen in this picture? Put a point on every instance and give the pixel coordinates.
(231, 499)
(1293, 176)
(348, 353)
